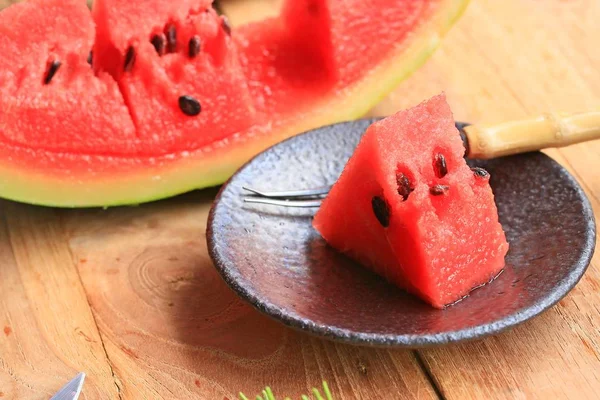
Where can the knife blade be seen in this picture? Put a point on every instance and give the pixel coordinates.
(72, 389)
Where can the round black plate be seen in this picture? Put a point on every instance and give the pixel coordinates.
(273, 258)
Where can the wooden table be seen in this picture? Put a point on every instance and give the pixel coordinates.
(130, 296)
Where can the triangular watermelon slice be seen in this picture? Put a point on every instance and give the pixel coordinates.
(408, 206)
(176, 98)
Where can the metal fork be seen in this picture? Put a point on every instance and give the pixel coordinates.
(306, 198)
(481, 142)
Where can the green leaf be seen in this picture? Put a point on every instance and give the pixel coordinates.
(317, 394)
(270, 395)
(326, 391)
(267, 394)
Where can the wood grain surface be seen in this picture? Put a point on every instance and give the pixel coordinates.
(129, 294)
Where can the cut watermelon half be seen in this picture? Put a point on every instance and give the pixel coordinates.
(408, 206)
(176, 99)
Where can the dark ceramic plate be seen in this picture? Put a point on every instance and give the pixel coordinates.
(273, 258)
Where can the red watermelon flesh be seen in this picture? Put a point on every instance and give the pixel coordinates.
(396, 196)
(115, 20)
(307, 31)
(75, 110)
(153, 83)
(341, 38)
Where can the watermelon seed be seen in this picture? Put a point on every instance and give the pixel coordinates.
(52, 68)
(381, 210)
(171, 38)
(194, 46)
(440, 167)
(158, 41)
(129, 59)
(189, 105)
(438, 190)
(404, 186)
(90, 58)
(480, 172)
(225, 25)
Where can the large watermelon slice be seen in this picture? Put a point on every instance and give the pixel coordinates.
(408, 206)
(178, 100)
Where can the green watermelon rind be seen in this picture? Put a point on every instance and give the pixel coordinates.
(206, 168)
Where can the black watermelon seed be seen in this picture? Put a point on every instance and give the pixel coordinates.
(171, 39)
(158, 41)
(404, 185)
(52, 68)
(129, 59)
(381, 210)
(194, 46)
(439, 165)
(225, 25)
(438, 190)
(189, 105)
(480, 172)
(90, 58)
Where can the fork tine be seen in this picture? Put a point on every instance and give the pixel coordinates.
(284, 203)
(289, 193)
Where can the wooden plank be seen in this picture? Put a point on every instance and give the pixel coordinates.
(174, 330)
(507, 60)
(48, 331)
(245, 11)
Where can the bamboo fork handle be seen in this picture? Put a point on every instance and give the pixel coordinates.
(549, 130)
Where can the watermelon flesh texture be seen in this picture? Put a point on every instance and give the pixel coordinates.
(112, 18)
(438, 247)
(76, 111)
(113, 134)
(154, 83)
(309, 52)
